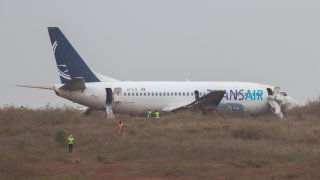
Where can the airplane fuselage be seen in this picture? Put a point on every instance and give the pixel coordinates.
(82, 85)
(139, 96)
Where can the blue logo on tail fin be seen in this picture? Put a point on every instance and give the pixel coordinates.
(64, 72)
(69, 62)
(62, 67)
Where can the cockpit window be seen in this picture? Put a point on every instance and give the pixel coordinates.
(283, 93)
(270, 93)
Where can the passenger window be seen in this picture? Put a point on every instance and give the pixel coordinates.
(168, 94)
(187, 93)
(191, 93)
(137, 94)
(175, 94)
(128, 94)
(160, 94)
(140, 94)
(125, 94)
(156, 94)
(179, 93)
(148, 94)
(183, 93)
(200, 93)
(164, 94)
(152, 94)
(144, 94)
(171, 93)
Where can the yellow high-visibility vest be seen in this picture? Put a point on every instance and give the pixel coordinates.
(70, 140)
(157, 114)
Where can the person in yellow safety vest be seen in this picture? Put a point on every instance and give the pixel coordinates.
(157, 114)
(149, 114)
(70, 143)
(120, 128)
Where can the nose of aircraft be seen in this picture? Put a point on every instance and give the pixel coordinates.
(291, 102)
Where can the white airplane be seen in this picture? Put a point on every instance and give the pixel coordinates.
(81, 85)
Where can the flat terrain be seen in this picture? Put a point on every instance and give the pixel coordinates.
(177, 146)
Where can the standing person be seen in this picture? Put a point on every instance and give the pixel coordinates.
(149, 114)
(120, 128)
(157, 114)
(70, 143)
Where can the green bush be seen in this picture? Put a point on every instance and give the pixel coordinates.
(60, 137)
(100, 158)
(20, 144)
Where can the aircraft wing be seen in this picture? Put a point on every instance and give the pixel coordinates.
(75, 84)
(205, 103)
(173, 107)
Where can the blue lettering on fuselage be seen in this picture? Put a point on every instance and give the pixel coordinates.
(249, 95)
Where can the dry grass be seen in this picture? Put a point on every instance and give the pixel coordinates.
(178, 146)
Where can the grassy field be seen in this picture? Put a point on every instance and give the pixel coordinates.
(177, 146)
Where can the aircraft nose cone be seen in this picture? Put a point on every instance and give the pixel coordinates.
(291, 103)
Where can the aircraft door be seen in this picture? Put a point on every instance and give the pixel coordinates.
(109, 97)
(275, 101)
(109, 100)
(196, 94)
(117, 95)
(270, 92)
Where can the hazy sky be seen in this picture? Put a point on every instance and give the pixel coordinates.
(275, 42)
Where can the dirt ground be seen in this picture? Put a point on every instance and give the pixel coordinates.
(129, 171)
(177, 146)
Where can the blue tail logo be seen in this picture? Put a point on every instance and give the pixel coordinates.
(63, 71)
(62, 68)
(70, 64)
(54, 46)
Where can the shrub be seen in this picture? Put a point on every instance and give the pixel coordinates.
(20, 144)
(100, 158)
(60, 137)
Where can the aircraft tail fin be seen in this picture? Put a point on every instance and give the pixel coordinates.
(70, 64)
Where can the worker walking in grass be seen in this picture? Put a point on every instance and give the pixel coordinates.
(149, 114)
(120, 128)
(70, 140)
(157, 114)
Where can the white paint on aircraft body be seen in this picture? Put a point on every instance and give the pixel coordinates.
(96, 91)
(94, 96)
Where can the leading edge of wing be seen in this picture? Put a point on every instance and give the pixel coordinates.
(206, 102)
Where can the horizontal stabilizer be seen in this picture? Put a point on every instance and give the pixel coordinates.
(75, 84)
(38, 86)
